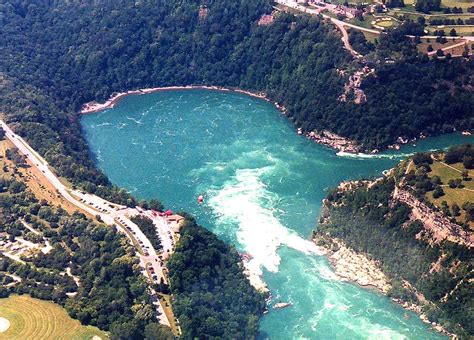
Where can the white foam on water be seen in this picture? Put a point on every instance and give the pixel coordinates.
(103, 124)
(398, 155)
(384, 333)
(246, 202)
(370, 330)
(366, 155)
(98, 155)
(139, 122)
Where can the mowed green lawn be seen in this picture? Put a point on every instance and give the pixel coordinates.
(465, 30)
(457, 3)
(36, 319)
(456, 195)
(446, 172)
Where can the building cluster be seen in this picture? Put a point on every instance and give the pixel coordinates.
(348, 12)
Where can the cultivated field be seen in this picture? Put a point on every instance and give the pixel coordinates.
(36, 319)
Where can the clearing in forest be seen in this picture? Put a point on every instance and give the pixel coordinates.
(459, 195)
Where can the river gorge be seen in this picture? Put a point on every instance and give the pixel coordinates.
(262, 185)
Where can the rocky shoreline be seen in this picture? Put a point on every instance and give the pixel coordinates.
(92, 107)
(324, 137)
(351, 266)
(332, 140)
(355, 267)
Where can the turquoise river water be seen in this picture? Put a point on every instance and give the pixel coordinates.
(263, 187)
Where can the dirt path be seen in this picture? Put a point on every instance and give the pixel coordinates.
(448, 48)
(451, 167)
(345, 38)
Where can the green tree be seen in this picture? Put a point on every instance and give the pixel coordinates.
(438, 192)
(452, 183)
(456, 210)
(468, 162)
(155, 331)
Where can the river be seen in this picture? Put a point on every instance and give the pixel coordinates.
(263, 186)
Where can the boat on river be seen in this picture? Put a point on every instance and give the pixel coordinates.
(280, 305)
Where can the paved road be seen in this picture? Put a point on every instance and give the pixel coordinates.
(338, 23)
(341, 24)
(110, 213)
(345, 38)
(467, 38)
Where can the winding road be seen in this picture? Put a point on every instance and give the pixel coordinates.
(111, 214)
(341, 25)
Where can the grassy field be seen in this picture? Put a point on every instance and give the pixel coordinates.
(457, 3)
(366, 23)
(456, 195)
(371, 36)
(387, 23)
(466, 30)
(423, 46)
(36, 319)
(463, 16)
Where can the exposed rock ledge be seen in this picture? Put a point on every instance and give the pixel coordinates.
(351, 266)
(332, 140)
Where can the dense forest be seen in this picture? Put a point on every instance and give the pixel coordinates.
(214, 300)
(55, 56)
(369, 221)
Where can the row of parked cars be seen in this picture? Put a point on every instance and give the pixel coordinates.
(146, 249)
(152, 272)
(92, 204)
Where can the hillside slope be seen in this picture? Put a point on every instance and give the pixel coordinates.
(55, 56)
(426, 253)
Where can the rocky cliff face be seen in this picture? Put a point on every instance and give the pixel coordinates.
(382, 234)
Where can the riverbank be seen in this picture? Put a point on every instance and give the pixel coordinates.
(324, 137)
(351, 266)
(333, 141)
(92, 107)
